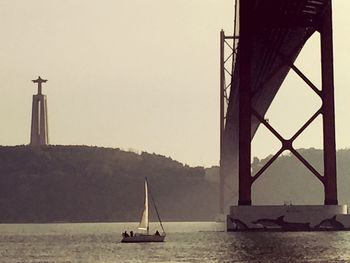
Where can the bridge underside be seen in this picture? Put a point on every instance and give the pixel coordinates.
(271, 35)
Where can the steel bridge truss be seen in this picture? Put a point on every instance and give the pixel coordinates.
(247, 86)
(228, 55)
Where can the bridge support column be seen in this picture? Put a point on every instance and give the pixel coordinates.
(222, 121)
(244, 115)
(330, 180)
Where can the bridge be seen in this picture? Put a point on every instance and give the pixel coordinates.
(268, 37)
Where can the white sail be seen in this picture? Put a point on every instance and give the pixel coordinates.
(144, 220)
(144, 225)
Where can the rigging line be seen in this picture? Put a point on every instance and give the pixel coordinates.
(155, 207)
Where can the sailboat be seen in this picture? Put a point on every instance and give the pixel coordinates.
(144, 235)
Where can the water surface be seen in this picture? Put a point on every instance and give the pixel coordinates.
(185, 242)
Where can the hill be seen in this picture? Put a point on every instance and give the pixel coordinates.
(89, 184)
(288, 180)
(80, 183)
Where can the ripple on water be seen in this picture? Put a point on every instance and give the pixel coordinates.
(185, 242)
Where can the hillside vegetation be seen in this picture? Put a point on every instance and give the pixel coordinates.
(289, 181)
(80, 183)
(88, 184)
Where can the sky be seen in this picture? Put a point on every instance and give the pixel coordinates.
(144, 76)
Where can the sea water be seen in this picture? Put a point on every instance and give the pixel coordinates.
(185, 242)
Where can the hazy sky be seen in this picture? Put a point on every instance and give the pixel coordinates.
(144, 75)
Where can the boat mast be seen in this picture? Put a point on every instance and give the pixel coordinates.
(155, 207)
(146, 204)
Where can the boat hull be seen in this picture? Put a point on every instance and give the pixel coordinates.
(143, 239)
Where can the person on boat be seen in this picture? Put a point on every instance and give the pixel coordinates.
(125, 234)
(131, 233)
(157, 233)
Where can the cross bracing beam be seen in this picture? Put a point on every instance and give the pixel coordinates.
(271, 35)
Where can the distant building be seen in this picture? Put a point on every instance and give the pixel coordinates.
(39, 129)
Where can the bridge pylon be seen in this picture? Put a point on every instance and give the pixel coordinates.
(270, 37)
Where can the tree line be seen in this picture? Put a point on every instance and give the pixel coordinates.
(81, 183)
